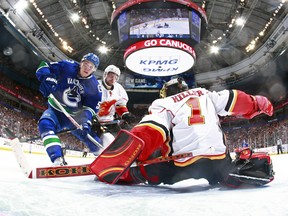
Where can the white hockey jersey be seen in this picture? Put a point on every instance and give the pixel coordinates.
(193, 118)
(113, 101)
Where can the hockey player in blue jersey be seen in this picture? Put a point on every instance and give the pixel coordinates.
(77, 89)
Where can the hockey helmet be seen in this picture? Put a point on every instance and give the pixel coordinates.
(92, 58)
(112, 69)
(173, 86)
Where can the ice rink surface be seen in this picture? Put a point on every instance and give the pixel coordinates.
(82, 196)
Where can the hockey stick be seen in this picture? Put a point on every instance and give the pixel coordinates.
(83, 170)
(46, 172)
(60, 171)
(249, 177)
(165, 159)
(118, 122)
(43, 172)
(68, 131)
(73, 120)
(65, 171)
(18, 153)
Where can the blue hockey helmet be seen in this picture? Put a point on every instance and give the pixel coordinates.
(92, 58)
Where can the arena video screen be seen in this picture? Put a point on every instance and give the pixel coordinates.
(159, 23)
(195, 27)
(123, 27)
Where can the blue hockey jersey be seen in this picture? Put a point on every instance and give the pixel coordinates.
(73, 92)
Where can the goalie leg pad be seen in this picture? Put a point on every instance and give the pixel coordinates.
(254, 170)
(117, 157)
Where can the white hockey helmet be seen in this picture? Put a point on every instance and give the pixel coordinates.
(173, 86)
(112, 69)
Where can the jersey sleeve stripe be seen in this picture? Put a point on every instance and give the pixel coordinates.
(231, 101)
(159, 127)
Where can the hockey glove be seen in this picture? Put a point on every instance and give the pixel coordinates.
(264, 106)
(48, 85)
(86, 129)
(128, 117)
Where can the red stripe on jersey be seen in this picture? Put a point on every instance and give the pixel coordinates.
(242, 103)
(198, 157)
(154, 137)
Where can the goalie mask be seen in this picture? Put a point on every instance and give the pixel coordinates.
(172, 87)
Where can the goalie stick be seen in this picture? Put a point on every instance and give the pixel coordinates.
(165, 159)
(43, 172)
(46, 172)
(82, 170)
(85, 169)
(63, 171)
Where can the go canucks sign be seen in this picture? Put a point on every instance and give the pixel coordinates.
(159, 57)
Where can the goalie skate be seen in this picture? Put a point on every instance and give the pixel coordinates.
(250, 180)
(254, 168)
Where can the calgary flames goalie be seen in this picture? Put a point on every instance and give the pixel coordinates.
(186, 121)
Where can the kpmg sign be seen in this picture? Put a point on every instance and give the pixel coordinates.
(159, 57)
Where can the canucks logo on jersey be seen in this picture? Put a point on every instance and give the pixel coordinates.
(72, 97)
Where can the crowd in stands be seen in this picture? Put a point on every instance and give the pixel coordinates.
(25, 127)
(22, 125)
(22, 90)
(22, 120)
(257, 133)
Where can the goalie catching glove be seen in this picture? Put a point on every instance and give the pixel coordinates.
(263, 105)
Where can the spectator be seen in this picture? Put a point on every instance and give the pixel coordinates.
(85, 152)
(279, 145)
(244, 144)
